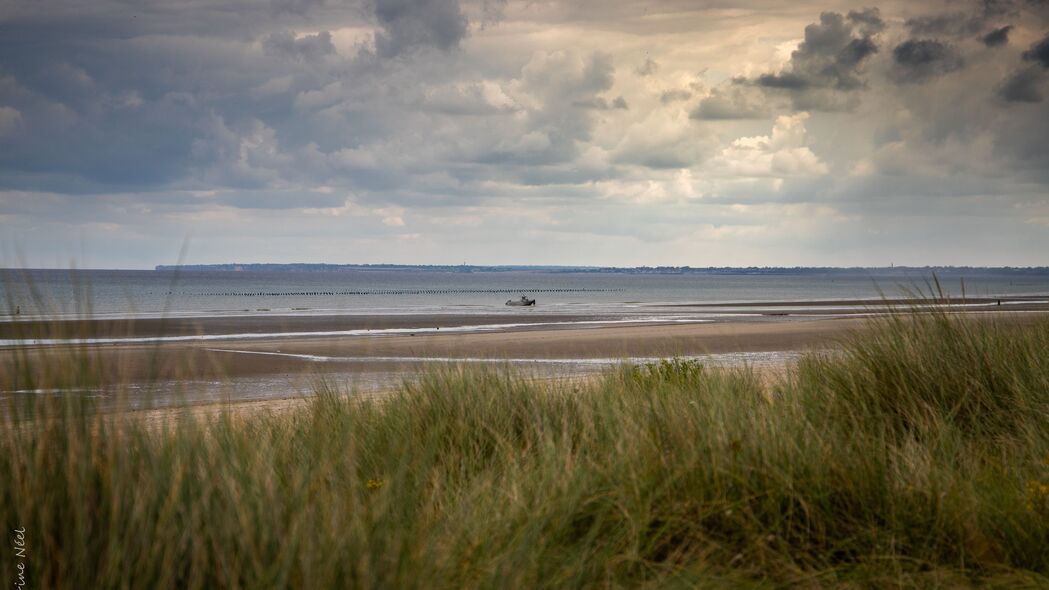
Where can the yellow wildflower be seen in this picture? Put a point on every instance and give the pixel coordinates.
(374, 484)
(1038, 497)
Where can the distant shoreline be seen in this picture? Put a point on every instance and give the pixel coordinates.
(734, 270)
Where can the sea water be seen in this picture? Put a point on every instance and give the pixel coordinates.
(129, 294)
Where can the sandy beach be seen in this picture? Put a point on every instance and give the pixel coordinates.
(275, 357)
(271, 324)
(253, 356)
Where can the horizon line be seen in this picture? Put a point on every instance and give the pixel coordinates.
(249, 266)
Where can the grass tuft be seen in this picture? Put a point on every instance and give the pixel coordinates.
(913, 457)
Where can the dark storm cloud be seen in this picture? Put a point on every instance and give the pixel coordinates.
(115, 104)
(112, 113)
(413, 24)
(95, 139)
(971, 22)
(853, 54)
(919, 60)
(829, 63)
(785, 81)
(868, 21)
(830, 54)
(998, 37)
(956, 24)
(154, 112)
(1023, 86)
(1039, 52)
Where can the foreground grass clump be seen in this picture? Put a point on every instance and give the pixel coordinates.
(914, 457)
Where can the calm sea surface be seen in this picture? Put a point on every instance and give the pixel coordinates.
(120, 293)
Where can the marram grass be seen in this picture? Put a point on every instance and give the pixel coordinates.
(917, 456)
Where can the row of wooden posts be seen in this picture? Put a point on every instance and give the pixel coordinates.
(399, 292)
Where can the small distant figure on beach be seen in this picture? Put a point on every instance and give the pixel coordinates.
(18, 310)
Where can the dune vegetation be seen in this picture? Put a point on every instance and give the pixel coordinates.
(917, 455)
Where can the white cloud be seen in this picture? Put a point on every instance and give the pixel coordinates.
(664, 138)
(10, 119)
(468, 98)
(782, 154)
(391, 216)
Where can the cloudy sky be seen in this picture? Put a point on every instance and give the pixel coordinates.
(596, 132)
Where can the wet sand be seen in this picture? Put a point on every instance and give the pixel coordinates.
(300, 359)
(235, 358)
(610, 341)
(269, 324)
(266, 355)
(973, 303)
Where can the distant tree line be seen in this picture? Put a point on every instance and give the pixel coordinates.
(711, 270)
